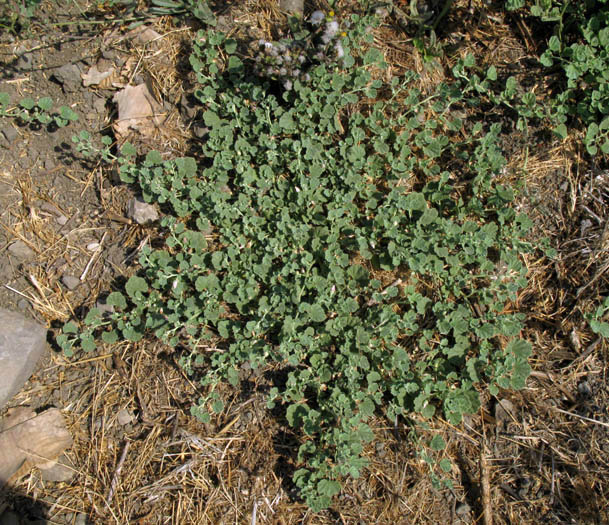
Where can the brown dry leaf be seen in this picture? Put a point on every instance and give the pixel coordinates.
(95, 77)
(137, 110)
(28, 440)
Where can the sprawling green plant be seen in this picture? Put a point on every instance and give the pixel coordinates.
(580, 49)
(30, 111)
(344, 232)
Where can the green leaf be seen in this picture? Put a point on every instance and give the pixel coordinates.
(27, 103)
(445, 465)
(117, 299)
(109, 337)
(45, 103)
(211, 119)
(135, 286)
(520, 348)
(437, 443)
(561, 131)
(317, 314)
(70, 328)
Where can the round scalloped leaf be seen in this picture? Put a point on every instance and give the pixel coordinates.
(135, 286)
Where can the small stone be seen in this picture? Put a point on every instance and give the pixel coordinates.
(584, 388)
(49, 164)
(504, 411)
(99, 105)
(61, 220)
(69, 281)
(124, 417)
(81, 519)
(22, 343)
(9, 518)
(141, 212)
(21, 250)
(104, 307)
(69, 77)
(93, 246)
(188, 109)
(10, 133)
(60, 472)
(200, 131)
(25, 61)
(462, 509)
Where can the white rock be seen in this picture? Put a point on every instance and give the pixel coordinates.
(21, 250)
(124, 417)
(69, 281)
(141, 212)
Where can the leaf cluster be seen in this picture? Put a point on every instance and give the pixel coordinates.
(360, 243)
(30, 111)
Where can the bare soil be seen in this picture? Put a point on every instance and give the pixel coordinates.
(528, 457)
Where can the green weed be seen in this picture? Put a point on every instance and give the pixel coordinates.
(350, 233)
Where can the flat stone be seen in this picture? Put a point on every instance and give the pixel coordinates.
(188, 108)
(124, 417)
(99, 105)
(141, 212)
(21, 250)
(60, 472)
(81, 519)
(22, 342)
(68, 76)
(10, 133)
(69, 281)
(463, 509)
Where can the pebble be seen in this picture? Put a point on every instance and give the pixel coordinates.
(93, 246)
(189, 109)
(10, 133)
(81, 519)
(141, 212)
(99, 105)
(59, 472)
(49, 164)
(69, 281)
(69, 77)
(584, 388)
(124, 417)
(21, 250)
(61, 220)
(462, 509)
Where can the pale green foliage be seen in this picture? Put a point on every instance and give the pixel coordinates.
(314, 210)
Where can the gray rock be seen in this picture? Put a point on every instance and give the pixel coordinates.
(124, 417)
(49, 164)
(10, 133)
(294, 7)
(188, 108)
(81, 519)
(9, 518)
(69, 281)
(59, 472)
(463, 509)
(22, 342)
(99, 105)
(25, 61)
(141, 212)
(69, 77)
(21, 250)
